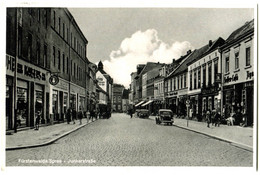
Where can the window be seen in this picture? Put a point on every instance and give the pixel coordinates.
(59, 60)
(204, 76)
(185, 85)
(215, 69)
(45, 18)
(63, 62)
(248, 56)
(38, 52)
(190, 80)
(236, 60)
(63, 30)
(174, 84)
(59, 29)
(71, 40)
(181, 81)
(119, 99)
(54, 19)
(227, 65)
(20, 41)
(71, 71)
(178, 83)
(67, 64)
(74, 69)
(38, 15)
(45, 56)
(210, 74)
(53, 53)
(195, 79)
(29, 46)
(68, 35)
(199, 77)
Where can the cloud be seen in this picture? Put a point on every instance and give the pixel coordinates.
(140, 48)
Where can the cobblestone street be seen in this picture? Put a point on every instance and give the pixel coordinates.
(122, 141)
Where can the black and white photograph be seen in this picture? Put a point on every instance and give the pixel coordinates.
(129, 85)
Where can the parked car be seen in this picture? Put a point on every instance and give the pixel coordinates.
(143, 113)
(164, 116)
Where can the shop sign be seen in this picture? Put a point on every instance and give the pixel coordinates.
(230, 79)
(24, 69)
(249, 75)
(209, 90)
(218, 78)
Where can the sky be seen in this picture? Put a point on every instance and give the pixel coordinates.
(123, 37)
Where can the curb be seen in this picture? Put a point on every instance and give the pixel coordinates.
(48, 142)
(239, 145)
(231, 142)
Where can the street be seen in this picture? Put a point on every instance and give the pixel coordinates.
(125, 141)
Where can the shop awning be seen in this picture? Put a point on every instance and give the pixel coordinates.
(150, 101)
(139, 103)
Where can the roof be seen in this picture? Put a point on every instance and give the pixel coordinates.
(107, 76)
(150, 66)
(215, 44)
(247, 27)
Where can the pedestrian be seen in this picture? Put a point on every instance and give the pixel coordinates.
(217, 119)
(80, 116)
(74, 115)
(208, 118)
(213, 114)
(88, 115)
(68, 115)
(38, 117)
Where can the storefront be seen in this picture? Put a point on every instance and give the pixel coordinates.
(31, 90)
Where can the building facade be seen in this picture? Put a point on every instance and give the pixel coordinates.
(118, 97)
(50, 52)
(238, 74)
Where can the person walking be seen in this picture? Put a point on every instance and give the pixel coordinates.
(68, 115)
(37, 122)
(74, 114)
(80, 116)
(217, 119)
(208, 118)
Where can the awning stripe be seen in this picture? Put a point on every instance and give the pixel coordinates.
(139, 103)
(150, 101)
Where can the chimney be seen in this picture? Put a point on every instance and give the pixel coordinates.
(210, 43)
(173, 60)
(188, 52)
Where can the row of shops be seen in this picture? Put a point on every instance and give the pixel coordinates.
(34, 94)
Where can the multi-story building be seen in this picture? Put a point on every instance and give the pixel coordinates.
(117, 97)
(204, 79)
(50, 52)
(125, 100)
(175, 85)
(91, 92)
(132, 93)
(238, 73)
(159, 98)
(106, 83)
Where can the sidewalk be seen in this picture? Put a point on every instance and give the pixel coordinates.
(44, 136)
(239, 136)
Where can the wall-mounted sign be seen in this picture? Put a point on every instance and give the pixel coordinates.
(249, 75)
(54, 80)
(229, 79)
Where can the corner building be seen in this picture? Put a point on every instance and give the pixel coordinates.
(46, 42)
(238, 74)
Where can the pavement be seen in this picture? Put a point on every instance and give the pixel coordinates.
(238, 136)
(46, 135)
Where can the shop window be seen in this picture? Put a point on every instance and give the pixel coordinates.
(65, 102)
(22, 107)
(55, 102)
(248, 55)
(38, 102)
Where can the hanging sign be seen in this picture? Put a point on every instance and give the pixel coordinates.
(54, 80)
